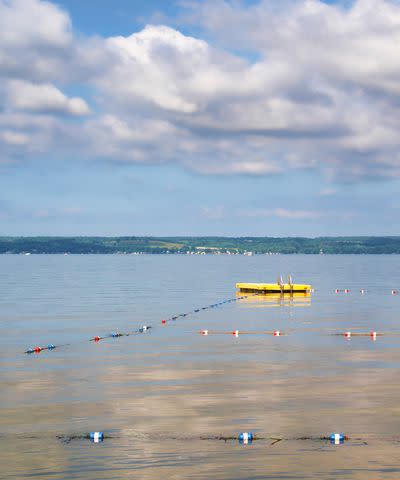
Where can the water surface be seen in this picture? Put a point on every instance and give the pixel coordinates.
(159, 392)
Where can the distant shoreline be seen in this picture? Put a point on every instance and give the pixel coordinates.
(200, 245)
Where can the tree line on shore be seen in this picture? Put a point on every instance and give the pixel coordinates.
(200, 245)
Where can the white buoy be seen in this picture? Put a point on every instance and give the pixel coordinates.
(337, 438)
(245, 437)
(97, 436)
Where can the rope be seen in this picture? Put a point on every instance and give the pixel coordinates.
(143, 329)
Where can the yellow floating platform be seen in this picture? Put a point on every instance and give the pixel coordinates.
(273, 287)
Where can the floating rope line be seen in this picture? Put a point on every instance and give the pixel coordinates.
(164, 321)
(96, 338)
(242, 438)
(371, 334)
(363, 291)
(143, 329)
(236, 333)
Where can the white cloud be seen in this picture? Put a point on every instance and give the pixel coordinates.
(43, 98)
(219, 212)
(155, 65)
(282, 213)
(13, 138)
(35, 39)
(27, 22)
(323, 93)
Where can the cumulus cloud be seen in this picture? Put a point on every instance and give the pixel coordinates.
(44, 98)
(154, 65)
(35, 39)
(265, 88)
(41, 22)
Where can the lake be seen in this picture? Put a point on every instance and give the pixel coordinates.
(156, 394)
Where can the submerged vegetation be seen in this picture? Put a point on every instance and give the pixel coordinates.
(201, 245)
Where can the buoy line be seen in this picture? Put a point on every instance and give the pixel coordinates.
(241, 437)
(143, 329)
(197, 310)
(372, 334)
(236, 333)
(38, 349)
(349, 334)
(363, 291)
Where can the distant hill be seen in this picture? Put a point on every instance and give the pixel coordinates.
(201, 245)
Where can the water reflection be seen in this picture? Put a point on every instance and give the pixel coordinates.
(158, 420)
(275, 300)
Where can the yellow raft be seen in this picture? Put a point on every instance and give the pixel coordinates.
(273, 287)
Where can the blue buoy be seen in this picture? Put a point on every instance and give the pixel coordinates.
(115, 334)
(50, 346)
(96, 437)
(30, 350)
(245, 437)
(336, 438)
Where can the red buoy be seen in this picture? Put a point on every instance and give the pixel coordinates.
(346, 290)
(277, 333)
(236, 333)
(394, 292)
(372, 335)
(347, 334)
(96, 338)
(37, 349)
(337, 290)
(163, 322)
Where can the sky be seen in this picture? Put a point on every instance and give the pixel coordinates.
(200, 117)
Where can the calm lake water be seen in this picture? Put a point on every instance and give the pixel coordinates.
(157, 393)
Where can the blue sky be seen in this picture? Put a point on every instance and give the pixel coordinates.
(199, 117)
